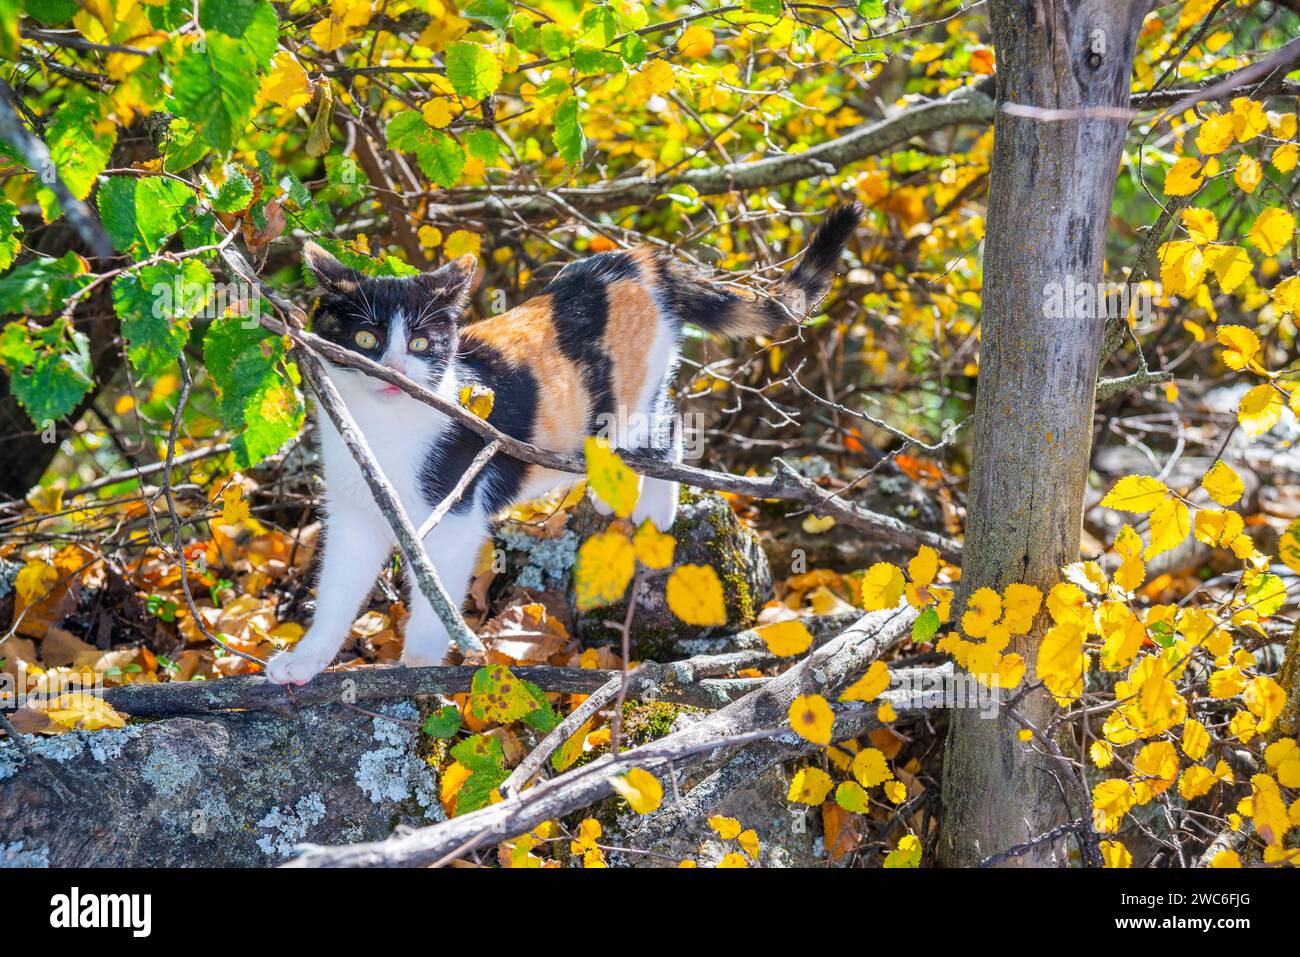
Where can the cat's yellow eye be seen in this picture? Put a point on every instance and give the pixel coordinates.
(366, 340)
(418, 344)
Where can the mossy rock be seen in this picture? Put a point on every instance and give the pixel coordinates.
(707, 533)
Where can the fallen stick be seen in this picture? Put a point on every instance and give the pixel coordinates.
(759, 715)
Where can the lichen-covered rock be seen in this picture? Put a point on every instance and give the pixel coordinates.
(707, 533)
(225, 790)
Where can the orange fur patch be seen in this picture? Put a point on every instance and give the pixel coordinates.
(526, 336)
(631, 328)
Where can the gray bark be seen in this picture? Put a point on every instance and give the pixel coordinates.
(1050, 194)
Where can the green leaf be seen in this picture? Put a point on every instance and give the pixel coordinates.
(1266, 594)
(155, 304)
(568, 131)
(556, 43)
(51, 13)
(483, 756)
(871, 9)
(139, 213)
(442, 724)
(215, 88)
(633, 49)
(256, 387)
(765, 8)
(480, 752)
(231, 17)
(496, 694)
(182, 147)
(80, 142)
(49, 369)
(599, 27)
(440, 157)
(38, 287)
(593, 62)
(10, 230)
(495, 13)
(925, 626)
(472, 70)
(543, 718)
(234, 194)
(484, 145)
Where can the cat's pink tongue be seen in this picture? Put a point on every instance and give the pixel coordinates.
(389, 390)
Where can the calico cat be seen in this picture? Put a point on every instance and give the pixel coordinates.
(600, 340)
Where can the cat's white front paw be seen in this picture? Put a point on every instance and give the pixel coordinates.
(294, 668)
(658, 503)
(425, 652)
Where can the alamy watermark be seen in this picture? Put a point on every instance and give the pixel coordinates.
(1074, 299)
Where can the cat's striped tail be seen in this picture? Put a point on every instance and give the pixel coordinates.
(740, 313)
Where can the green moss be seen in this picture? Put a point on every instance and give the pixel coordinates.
(646, 721)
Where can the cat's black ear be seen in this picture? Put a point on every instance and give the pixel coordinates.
(453, 282)
(329, 272)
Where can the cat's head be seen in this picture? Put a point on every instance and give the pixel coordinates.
(407, 323)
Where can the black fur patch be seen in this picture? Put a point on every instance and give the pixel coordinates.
(513, 413)
(580, 306)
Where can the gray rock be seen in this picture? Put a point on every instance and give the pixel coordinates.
(707, 533)
(226, 790)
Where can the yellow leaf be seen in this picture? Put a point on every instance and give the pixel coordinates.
(695, 595)
(1135, 493)
(654, 549)
(1020, 604)
(234, 510)
(871, 768)
(732, 860)
(811, 718)
(604, 567)
(1228, 859)
(1060, 661)
(478, 399)
(1170, 524)
(886, 714)
(1216, 134)
(1272, 230)
(1231, 265)
(896, 791)
(1285, 156)
(1223, 484)
(1260, 409)
(1115, 854)
(1248, 174)
(1249, 118)
(1240, 345)
(640, 789)
(786, 638)
(982, 609)
(1111, 800)
(287, 83)
(45, 499)
(88, 712)
(1011, 671)
(613, 482)
(870, 686)
(727, 827)
(817, 524)
(461, 242)
(695, 42)
(906, 855)
(923, 566)
(1201, 225)
(1184, 177)
(882, 586)
(1286, 295)
(748, 841)
(1196, 739)
(809, 786)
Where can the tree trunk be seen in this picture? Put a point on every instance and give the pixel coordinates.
(1050, 191)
